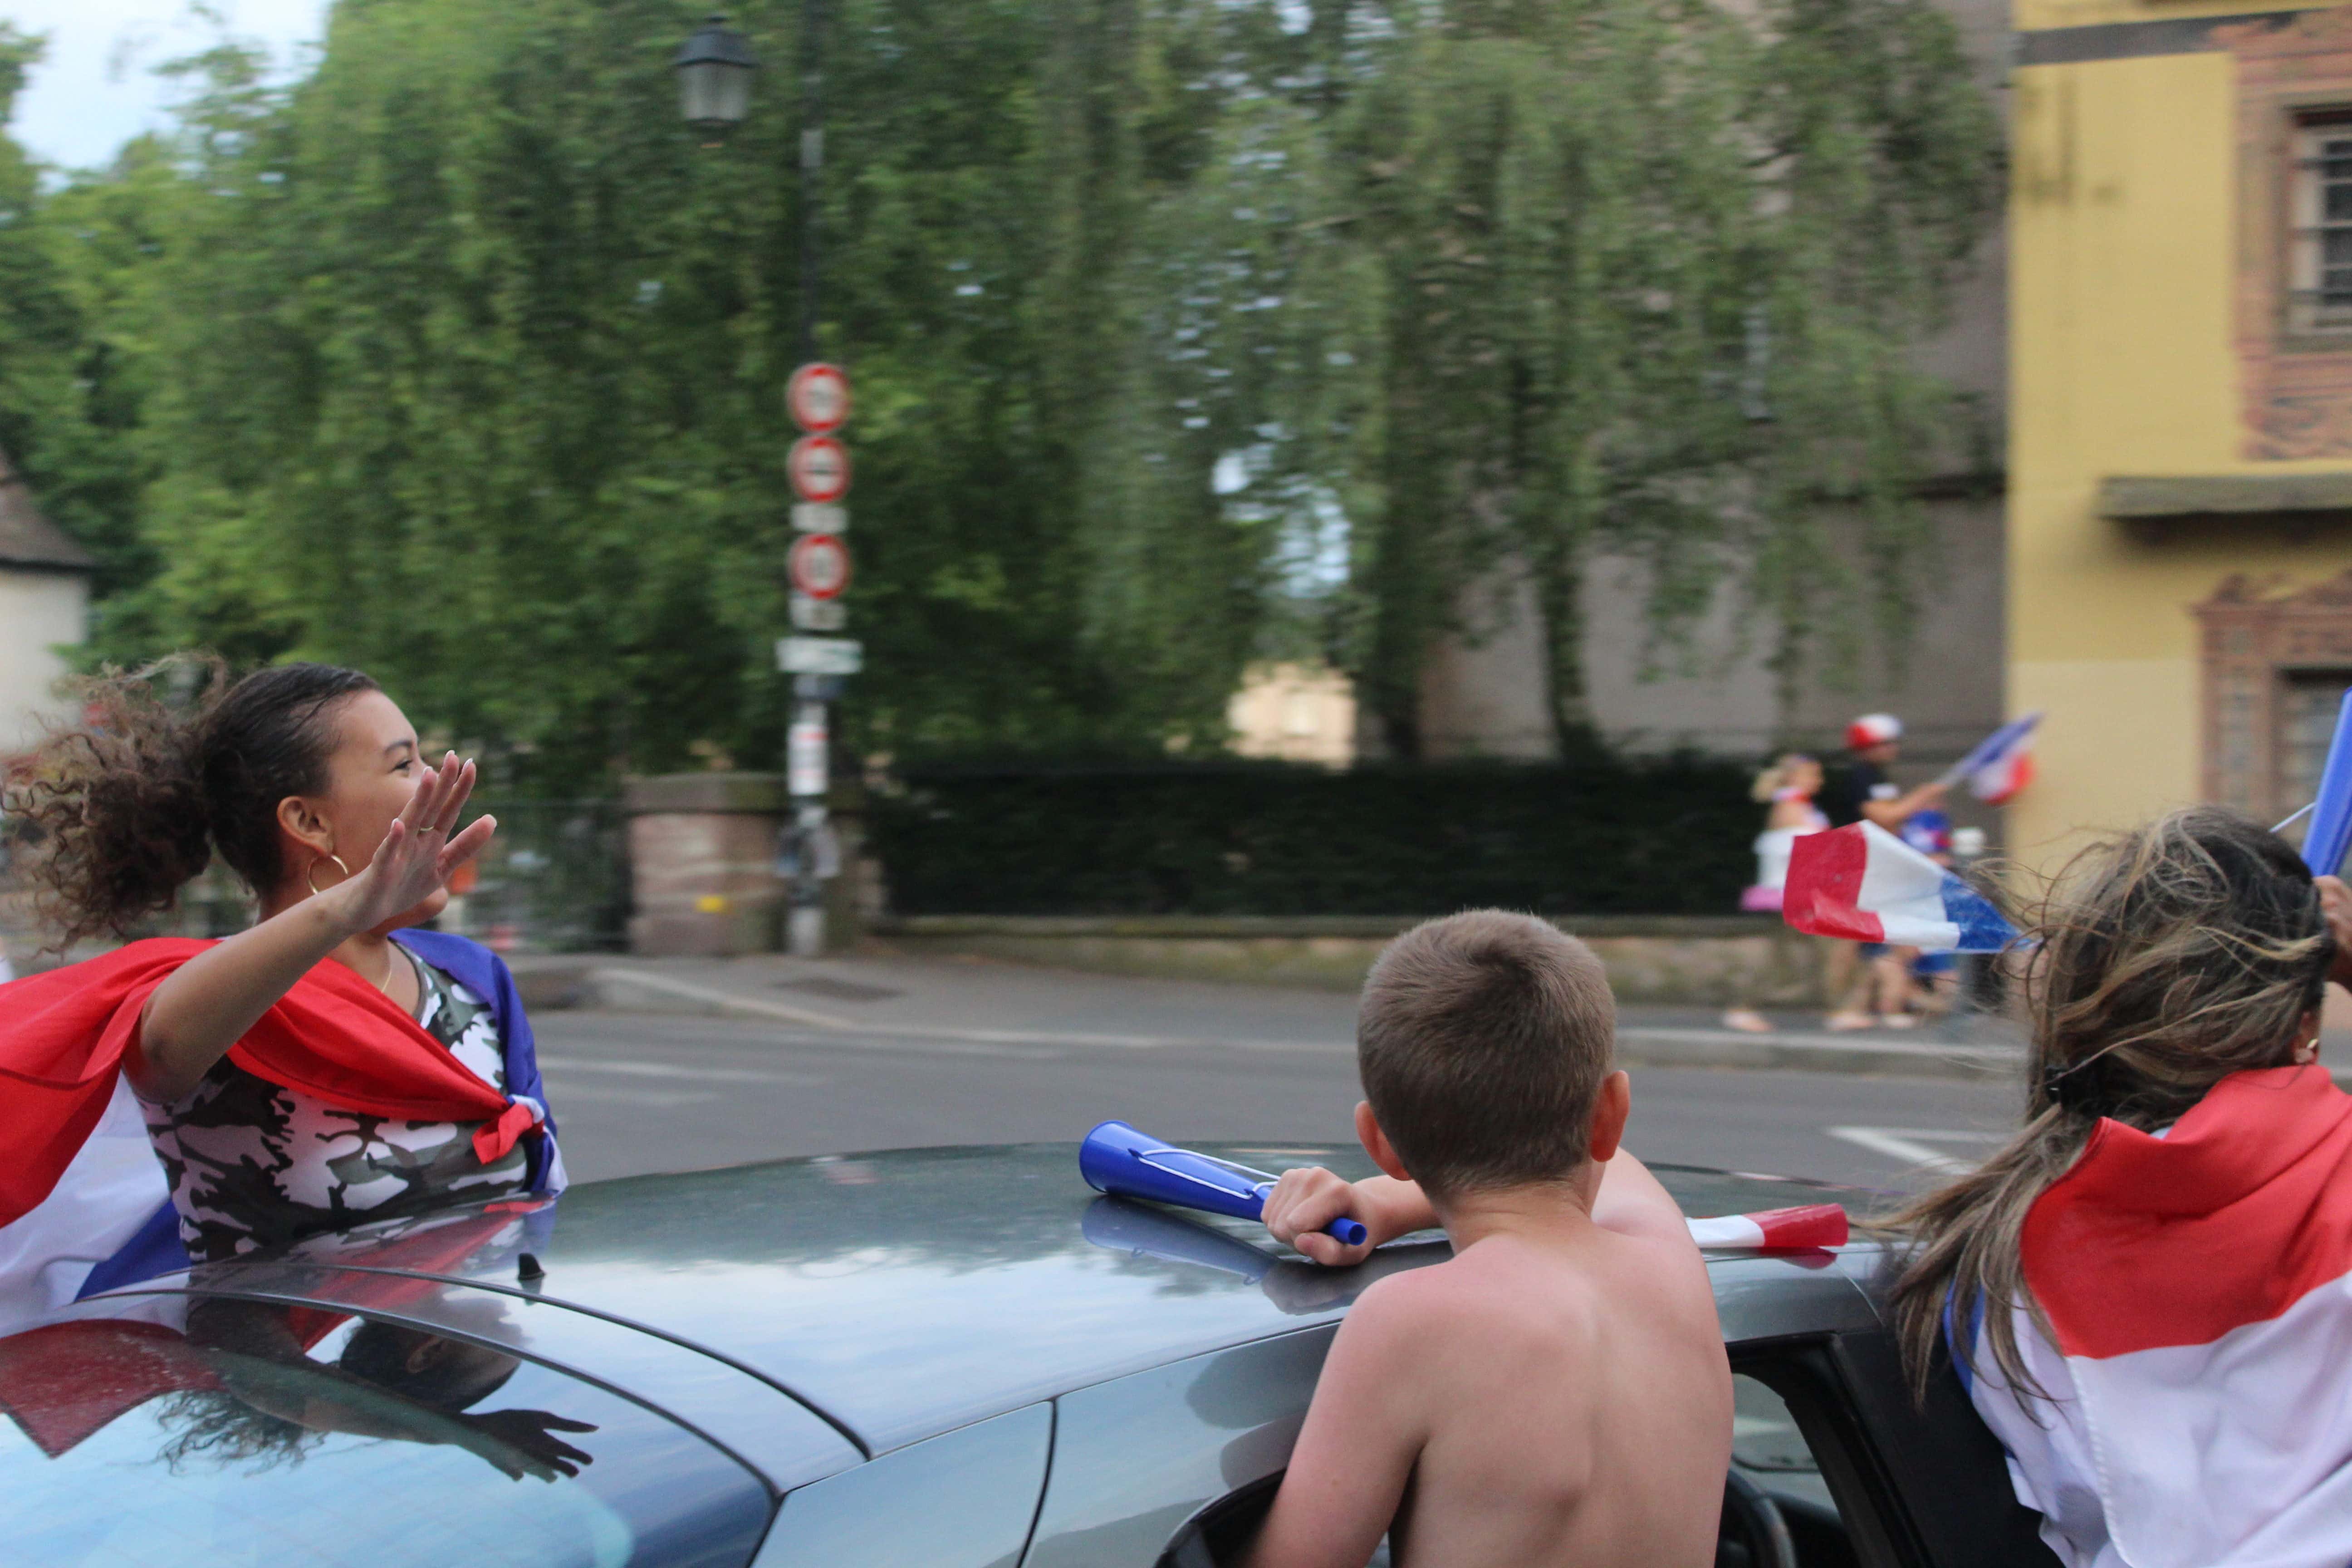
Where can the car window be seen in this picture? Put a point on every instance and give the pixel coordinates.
(1770, 1450)
(255, 1435)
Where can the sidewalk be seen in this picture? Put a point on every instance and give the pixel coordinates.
(885, 997)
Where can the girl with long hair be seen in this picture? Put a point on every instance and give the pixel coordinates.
(2147, 1290)
(333, 1064)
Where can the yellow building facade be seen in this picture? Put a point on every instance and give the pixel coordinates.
(2179, 589)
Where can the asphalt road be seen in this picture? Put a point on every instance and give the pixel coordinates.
(646, 1093)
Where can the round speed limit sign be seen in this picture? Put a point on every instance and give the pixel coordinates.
(820, 566)
(818, 396)
(819, 467)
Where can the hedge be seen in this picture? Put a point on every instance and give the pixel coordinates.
(1667, 835)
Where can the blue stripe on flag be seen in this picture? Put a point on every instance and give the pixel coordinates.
(1982, 927)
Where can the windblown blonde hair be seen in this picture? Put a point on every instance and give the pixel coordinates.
(2163, 961)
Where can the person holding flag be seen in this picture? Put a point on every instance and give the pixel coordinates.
(1862, 791)
(332, 1065)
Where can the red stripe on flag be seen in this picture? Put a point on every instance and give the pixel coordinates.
(1825, 886)
(1808, 1225)
(2238, 1213)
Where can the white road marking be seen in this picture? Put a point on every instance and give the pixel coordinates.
(1913, 1146)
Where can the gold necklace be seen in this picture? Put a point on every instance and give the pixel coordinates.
(391, 964)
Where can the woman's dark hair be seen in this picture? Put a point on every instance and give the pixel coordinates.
(2162, 960)
(127, 805)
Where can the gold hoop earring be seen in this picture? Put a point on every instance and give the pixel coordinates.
(310, 877)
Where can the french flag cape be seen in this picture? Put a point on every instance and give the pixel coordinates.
(83, 1204)
(2200, 1287)
(1863, 883)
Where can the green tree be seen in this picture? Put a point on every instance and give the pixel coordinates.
(1182, 330)
(1640, 276)
(68, 412)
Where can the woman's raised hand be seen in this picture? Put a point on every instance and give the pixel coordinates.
(2336, 903)
(418, 854)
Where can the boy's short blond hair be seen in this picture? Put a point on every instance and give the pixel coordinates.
(1483, 1039)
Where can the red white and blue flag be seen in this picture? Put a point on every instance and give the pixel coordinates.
(1863, 883)
(2001, 764)
(2199, 1286)
(83, 1203)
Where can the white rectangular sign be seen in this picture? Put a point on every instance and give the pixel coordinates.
(820, 655)
(820, 516)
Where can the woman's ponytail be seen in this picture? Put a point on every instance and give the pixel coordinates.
(114, 807)
(126, 806)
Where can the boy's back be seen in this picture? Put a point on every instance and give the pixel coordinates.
(1558, 1393)
(1574, 1404)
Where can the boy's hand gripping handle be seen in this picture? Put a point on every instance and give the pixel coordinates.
(1117, 1159)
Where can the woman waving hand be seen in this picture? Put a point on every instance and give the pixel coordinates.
(332, 1064)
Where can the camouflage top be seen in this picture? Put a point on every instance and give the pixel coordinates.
(253, 1164)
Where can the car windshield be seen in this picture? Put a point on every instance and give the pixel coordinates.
(254, 1434)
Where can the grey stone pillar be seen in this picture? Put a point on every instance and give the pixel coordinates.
(702, 863)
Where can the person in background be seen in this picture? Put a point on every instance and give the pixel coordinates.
(1862, 791)
(1934, 977)
(1786, 789)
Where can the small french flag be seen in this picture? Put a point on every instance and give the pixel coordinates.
(1864, 884)
(2001, 764)
(1797, 1229)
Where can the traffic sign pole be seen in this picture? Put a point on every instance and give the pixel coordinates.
(819, 565)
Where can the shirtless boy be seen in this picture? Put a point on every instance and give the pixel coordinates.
(1558, 1392)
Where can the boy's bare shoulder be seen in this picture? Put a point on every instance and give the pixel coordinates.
(1484, 1288)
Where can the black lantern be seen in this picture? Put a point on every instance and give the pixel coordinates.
(714, 80)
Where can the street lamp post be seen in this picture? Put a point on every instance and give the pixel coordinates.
(715, 66)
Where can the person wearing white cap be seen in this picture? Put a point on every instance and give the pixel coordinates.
(1862, 793)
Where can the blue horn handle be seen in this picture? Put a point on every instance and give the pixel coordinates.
(2330, 832)
(1115, 1158)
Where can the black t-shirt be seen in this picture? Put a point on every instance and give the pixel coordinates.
(1856, 783)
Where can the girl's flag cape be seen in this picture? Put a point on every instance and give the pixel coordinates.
(2200, 1287)
(2001, 764)
(1863, 883)
(65, 1193)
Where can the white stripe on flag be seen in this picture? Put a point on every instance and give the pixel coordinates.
(1733, 1230)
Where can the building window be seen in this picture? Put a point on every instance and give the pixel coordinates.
(2276, 668)
(2308, 701)
(2319, 282)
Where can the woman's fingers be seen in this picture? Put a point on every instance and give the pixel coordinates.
(418, 812)
(458, 784)
(465, 847)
